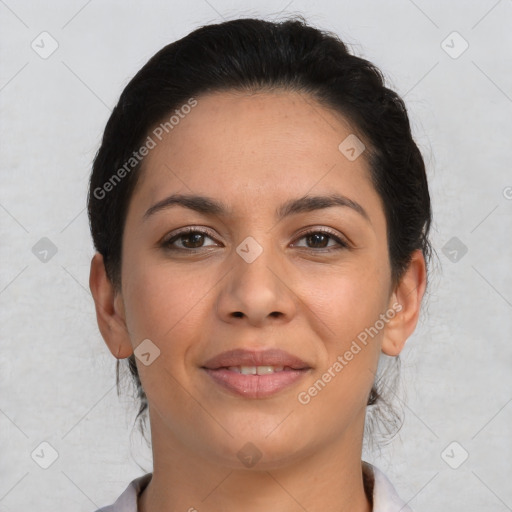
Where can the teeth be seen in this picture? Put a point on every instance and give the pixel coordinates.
(255, 370)
(263, 370)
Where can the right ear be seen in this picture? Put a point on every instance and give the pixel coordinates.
(109, 310)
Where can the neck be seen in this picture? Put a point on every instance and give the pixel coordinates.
(327, 480)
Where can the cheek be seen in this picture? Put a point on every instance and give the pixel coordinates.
(349, 302)
(161, 302)
(346, 299)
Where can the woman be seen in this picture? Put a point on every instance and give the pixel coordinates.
(260, 213)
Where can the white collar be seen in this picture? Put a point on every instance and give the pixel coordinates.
(385, 498)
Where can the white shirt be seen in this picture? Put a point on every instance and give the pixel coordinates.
(385, 498)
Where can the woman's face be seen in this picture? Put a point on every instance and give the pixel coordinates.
(254, 280)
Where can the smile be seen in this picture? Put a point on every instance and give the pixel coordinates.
(255, 374)
(256, 370)
(255, 382)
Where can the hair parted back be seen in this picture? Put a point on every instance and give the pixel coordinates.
(252, 55)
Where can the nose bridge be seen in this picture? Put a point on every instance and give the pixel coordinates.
(253, 274)
(255, 264)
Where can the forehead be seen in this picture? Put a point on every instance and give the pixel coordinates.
(252, 147)
(255, 125)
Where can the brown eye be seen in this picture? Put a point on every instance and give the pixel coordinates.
(319, 239)
(190, 239)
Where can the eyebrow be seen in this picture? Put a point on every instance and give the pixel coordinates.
(210, 206)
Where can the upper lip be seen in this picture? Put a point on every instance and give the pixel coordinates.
(242, 357)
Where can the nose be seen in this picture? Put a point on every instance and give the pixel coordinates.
(257, 292)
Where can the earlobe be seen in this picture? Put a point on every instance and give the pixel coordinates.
(109, 310)
(408, 294)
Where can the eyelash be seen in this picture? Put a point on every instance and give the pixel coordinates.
(167, 243)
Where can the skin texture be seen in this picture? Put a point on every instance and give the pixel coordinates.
(254, 152)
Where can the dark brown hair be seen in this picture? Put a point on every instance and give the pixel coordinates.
(253, 55)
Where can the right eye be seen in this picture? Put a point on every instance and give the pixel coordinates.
(190, 238)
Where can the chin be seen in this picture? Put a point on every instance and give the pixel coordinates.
(261, 448)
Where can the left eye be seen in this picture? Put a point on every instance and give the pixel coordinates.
(320, 237)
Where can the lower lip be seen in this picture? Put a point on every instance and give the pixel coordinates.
(255, 386)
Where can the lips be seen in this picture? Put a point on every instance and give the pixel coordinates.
(255, 375)
(241, 357)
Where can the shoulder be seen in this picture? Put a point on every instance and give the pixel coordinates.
(385, 497)
(127, 502)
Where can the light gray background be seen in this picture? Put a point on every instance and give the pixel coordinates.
(56, 375)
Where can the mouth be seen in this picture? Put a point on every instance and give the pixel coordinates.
(257, 370)
(255, 375)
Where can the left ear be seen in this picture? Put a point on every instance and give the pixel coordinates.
(408, 294)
